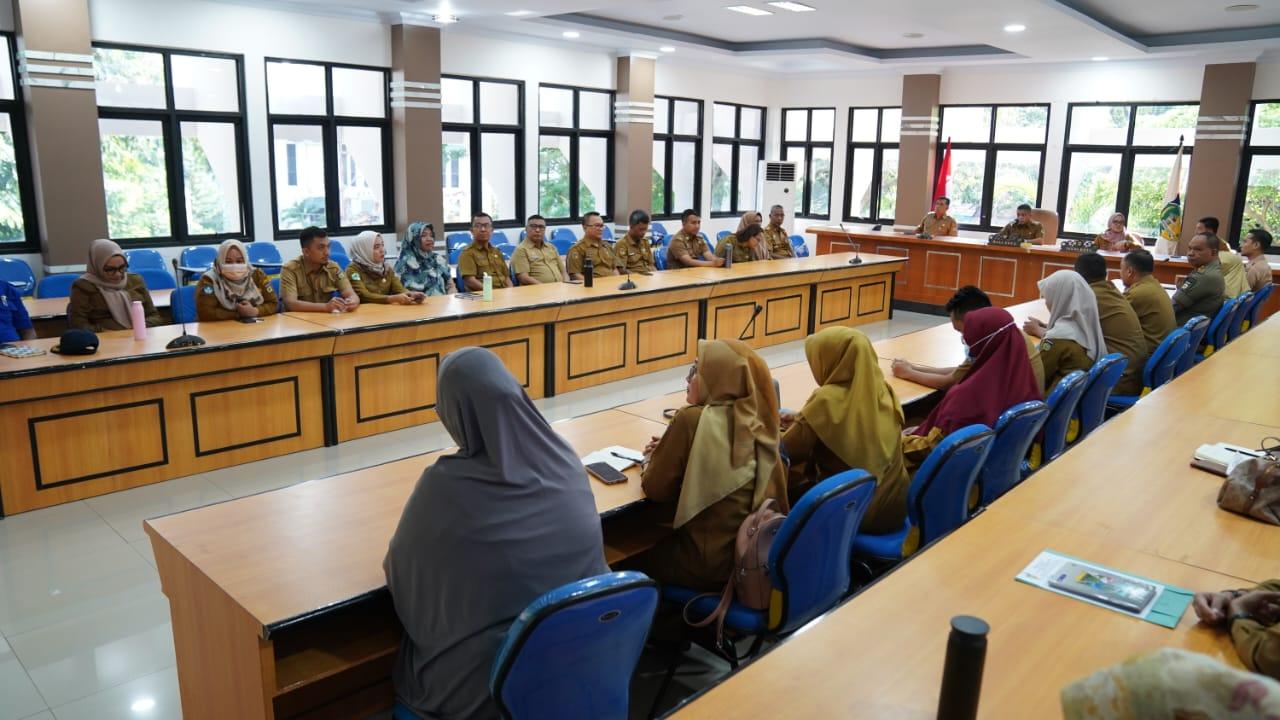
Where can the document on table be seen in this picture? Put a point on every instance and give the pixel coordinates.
(609, 456)
(1098, 585)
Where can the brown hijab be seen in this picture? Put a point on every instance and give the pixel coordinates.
(100, 253)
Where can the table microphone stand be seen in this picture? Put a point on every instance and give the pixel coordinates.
(184, 340)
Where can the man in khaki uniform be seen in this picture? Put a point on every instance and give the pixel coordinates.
(592, 245)
(1147, 298)
(776, 237)
(633, 250)
(482, 257)
(1024, 228)
(1254, 248)
(1203, 291)
(536, 261)
(1234, 282)
(687, 248)
(308, 282)
(938, 223)
(1121, 329)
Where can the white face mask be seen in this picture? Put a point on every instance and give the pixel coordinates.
(980, 341)
(235, 271)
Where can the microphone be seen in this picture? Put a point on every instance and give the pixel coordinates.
(184, 340)
(857, 249)
(627, 284)
(751, 323)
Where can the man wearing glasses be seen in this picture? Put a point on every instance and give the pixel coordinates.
(536, 261)
(482, 257)
(592, 245)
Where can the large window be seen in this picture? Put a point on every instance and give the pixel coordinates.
(483, 150)
(997, 159)
(330, 136)
(808, 139)
(871, 167)
(575, 151)
(1258, 199)
(17, 199)
(736, 150)
(1118, 158)
(172, 130)
(677, 150)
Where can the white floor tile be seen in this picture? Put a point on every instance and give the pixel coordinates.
(18, 695)
(46, 715)
(153, 697)
(143, 548)
(124, 511)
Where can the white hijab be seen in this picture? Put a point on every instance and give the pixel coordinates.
(362, 253)
(1073, 312)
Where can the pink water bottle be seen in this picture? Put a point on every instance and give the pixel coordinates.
(139, 320)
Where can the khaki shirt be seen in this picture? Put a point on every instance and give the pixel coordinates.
(682, 245)
(635, 255)
(1258, 645)
(1122, 332)
(209, 308)
(87, 309)
(1027, 233)
(1128, 243)
(1234, 281)
(474, 262)
(1033, 356)
(944, 226)
(1155, 313)
(603, 261)
(373, 289)
(317, 286)
(1258, 273)
(779, 242)
(1061, 358)
(542, 263)
(741, 253)
(1201, 293)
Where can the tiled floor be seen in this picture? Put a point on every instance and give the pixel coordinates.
(84, 628)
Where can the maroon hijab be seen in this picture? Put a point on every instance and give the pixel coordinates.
(1000, 378)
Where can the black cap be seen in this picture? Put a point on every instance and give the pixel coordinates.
(77, 342)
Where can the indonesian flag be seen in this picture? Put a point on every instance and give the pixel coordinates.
(944, 172)
(1171, 214)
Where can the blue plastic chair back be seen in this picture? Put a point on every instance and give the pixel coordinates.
(1101, 380)
(1238, 315)
(572, 651)
(265, 253)
(801, 250)
(499, 237)
(146, 258)
(1163, 363)
(562, 245)
(182, 303)
(1015, 430)
(938, 499)
(455, 252)
(506, 249)
(657, 229)
(1217, 336)
(199, 257)
(456, 239)
(275, 285)
(797, 241)
(58, 285)
(564, 233)
(1259, 299)
(722, 235)
(156, 279)
(608, 232)
(17, 273)
(1196, 328)
(701, 235)
(1062, 407)
(339, 255)
(660, 258)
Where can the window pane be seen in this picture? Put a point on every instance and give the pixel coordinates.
(748, 167)
(968, 172)
(796, 123)
(295, 89)
(499, 103)
(553, 176)
(555, 108)
(456, 175)
(1164, 124)
(891, 125)
(685, 118)
(966, 124)
(359, 93)
(1099, 125)
(360, 195)
(721, 176)
(657, 184)
(888, 185)
(593, 169)
(1022, 124)
(722, 120)
(498, 175)
(594, 111)
(661, 115)
(824, 126)
(752, 124)
(1017, 181)
(211, 177)
(205, 83)
(133, 173)
(860, 186)
(795, 153)
(1266, 124)
(456, 101)
(299, 165)
(11, 225)
(1146, 194)
(684, 165)
(129, 78)
(6, 71)
(820, 172)
(1261, 195)
(1092, 185)
(864, 126)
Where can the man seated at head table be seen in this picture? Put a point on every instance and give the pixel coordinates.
(372, 277)
(15, 323)
(592, 246)
(1254, 249)
(938, 223)
(535, 260)
(1121, 329)
(102, 297)
(1147, 297)
(633, 249)
(233, 288)
(1252, 617)
(1023, 228)
(481, 257)
(966, 299)
(1234, 280)
(687, 248)
(1117, 238)
(775, 236)
(744, 244)
(1203, 291)
(314, 283)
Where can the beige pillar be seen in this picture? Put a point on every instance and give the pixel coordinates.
(62, 127)
(918, 146)
(633, 139)
(1215, 165)
(415, 125)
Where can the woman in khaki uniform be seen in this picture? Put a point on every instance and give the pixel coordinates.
(233, 288)
(372, 279)
(717, 462)
(101, 297)
(1073, 337)
(745, 244)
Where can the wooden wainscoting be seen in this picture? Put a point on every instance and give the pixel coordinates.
(624, 343)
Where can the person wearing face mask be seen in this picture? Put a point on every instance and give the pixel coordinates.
(232, 288)
(372, 278)
(419, 267)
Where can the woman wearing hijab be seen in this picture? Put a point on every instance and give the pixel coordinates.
(372, 279)
(420, 268)
(853, 420)
(1116, 237)
(761, 248)
(101, 297)
(999, 378)
(1073, 337)
(486, 530)
(717, 462)
(233, 288)
(745, 245)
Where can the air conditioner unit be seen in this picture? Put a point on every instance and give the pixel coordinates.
(777, 186)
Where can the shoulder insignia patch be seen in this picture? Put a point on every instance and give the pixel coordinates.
(1046, 345)
(208, 289)
(355, 276)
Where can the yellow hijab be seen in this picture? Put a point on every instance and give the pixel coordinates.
(736, 441)
(855, 413)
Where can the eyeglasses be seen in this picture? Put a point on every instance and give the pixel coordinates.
(115, 269)
(537, 227)
(481, 226)
(596, 225)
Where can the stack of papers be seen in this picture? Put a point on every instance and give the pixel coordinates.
(1221, 458)
(607, 456)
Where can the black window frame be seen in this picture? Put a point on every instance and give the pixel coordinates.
(575, 134)
(992, 148)
(734, 143)
(877, 148)
(808, 146)
(329, 124)
(669, 211)
(171, 120)
(16, 109)
(1249, 152)
(1128, 153)
(475, 129)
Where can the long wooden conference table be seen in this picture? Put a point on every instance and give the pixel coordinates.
(299, 381)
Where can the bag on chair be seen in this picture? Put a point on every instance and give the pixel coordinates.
(1252, 488)
(750, 582)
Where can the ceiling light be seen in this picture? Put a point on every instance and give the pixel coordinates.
(1241, 8)
(667, 48)
(1015, 28)
(792, 6)
(913, 35)
(519, 13)
(445, 18)
(571, 34)
(747, 10)
(1100, 58)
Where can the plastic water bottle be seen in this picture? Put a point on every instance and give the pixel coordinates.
(588, 273)
(962, 674)
(138, 319)
(488, 288)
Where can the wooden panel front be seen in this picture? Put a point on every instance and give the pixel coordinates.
(998, 276)
(852, 302)
(96, 442)
(595, 349)
(784, 316)
(621, 344)
(245, 415)
(942, 270)
(401, 384)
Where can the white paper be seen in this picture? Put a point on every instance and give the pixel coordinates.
(607, 457)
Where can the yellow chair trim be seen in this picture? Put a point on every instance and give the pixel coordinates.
(975, 494)
(1245, 325)
(1073, 430)
(775, 609)
(1037, 454)
(1145, 392)
(911, 542)
(1208, 350)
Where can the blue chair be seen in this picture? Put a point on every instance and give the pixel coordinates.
(455, 252)
(456, 239)
(797, 241)
(1015, 430)
(721, 235)
(18, 273)
(1160, 368)
(562, 245)
(1196, 328)
(1062, 403)
(701, 235)
(1092, 409)
(938, 498)
(506, 249)
(58, 285)
(564, 233)
(338, 254)
(195, 260)
(146, 259)
(608, 233)
(265, 256)
(1238, 315)
(182, 303)
(572, 651)
(660, 258)
(499, 238)
(1259, 299)
(275, 286)
(657, 229)
(156, 279)
(1217, 335)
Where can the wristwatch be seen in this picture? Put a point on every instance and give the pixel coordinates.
(1238, 616)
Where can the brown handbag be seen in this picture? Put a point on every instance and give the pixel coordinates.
(1252, 488)
(750, 582)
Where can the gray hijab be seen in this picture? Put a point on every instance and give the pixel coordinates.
(486, 530)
